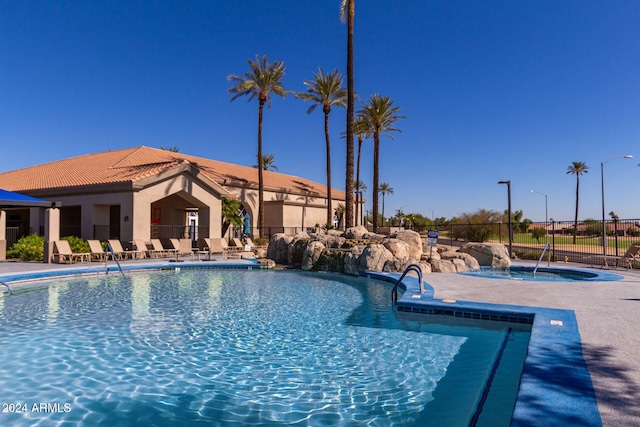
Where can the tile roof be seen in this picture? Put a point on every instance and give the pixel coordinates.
(132, 165)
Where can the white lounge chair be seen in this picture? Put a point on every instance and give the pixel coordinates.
(116, 248)
(97, 252)
(62, 253)
(160, 251)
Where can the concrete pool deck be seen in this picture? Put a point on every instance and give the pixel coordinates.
(606, 314)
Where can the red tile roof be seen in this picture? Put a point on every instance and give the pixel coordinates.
(131, 165)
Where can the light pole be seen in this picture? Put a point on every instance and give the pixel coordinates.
(508, 184)
(546, 223)
(432, 214)
(604, 227)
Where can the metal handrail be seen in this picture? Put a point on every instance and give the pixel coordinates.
(108, 249)
(410, 267)
(546, 247)
(9, 288)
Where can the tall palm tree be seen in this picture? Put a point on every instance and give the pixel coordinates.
(384, 190)
(326, 90)
(347, 14)
(359, 188)
(381, 115)
(262, 81)
(362, 130)
(577, 169)
(267, 162)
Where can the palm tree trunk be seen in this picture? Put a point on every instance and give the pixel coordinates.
(359, 198)
(260, 179)
(326, 136)
(376, 150)
(383, 209)
(575, 222)
(351, 5)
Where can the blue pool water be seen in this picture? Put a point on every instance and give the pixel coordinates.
(544, 274)
(236, 348)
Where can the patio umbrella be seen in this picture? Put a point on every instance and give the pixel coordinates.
(247, 223)
(9, 199)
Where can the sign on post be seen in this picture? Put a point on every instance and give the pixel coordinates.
(432, 238)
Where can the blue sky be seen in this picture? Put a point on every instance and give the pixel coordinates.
(498, 90)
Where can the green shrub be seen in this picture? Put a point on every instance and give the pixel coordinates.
(261, 241)
(77, 244)
(28, 248)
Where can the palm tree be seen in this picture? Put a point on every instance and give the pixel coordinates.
(263, 80)
(325, 90)
(381, 115)
(173, 149)
(347, 14)
(577, 169)
(384, 190)
(267, 162)
(362, 130)
(359, 187)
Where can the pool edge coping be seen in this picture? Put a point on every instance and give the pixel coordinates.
(555, 382)
(572, 398)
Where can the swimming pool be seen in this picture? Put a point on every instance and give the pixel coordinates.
(246, 347)
(544, 274)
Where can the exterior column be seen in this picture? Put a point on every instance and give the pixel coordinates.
(3, 235)
(51, 232)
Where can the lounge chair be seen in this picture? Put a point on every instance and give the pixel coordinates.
(228, 248)
(632, 254)
(210, 247)
(62, 253)
(182, 246)
(141, 249)
(238, 244)
(160, 251)
(249, 244)
(97, 252)
(116, 248)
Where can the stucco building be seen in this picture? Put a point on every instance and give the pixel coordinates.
(144, 193)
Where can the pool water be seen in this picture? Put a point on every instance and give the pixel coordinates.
(543, 274)
(235, 348)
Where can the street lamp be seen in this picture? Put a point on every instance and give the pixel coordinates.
(604, 227)
(508, 184)
(546, 225)
(432, 214)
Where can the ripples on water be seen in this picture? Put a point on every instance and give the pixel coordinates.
(217, 348)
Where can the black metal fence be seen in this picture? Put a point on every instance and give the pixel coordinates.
(566, 241)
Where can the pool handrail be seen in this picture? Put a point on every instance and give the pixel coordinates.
(410, 267)
(8, 287)
(546, 247)
(108, 249)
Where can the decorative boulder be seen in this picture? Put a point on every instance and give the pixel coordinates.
(469, 261)
(374, 237)
(443, 266)
(425, 267)
(494, 255)
(331, 240)
(278, 249)
(413, 241)
(398, 248)
(357, 232)
(311, 254)
(430, 254)
(373, 258)
(351, 264)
